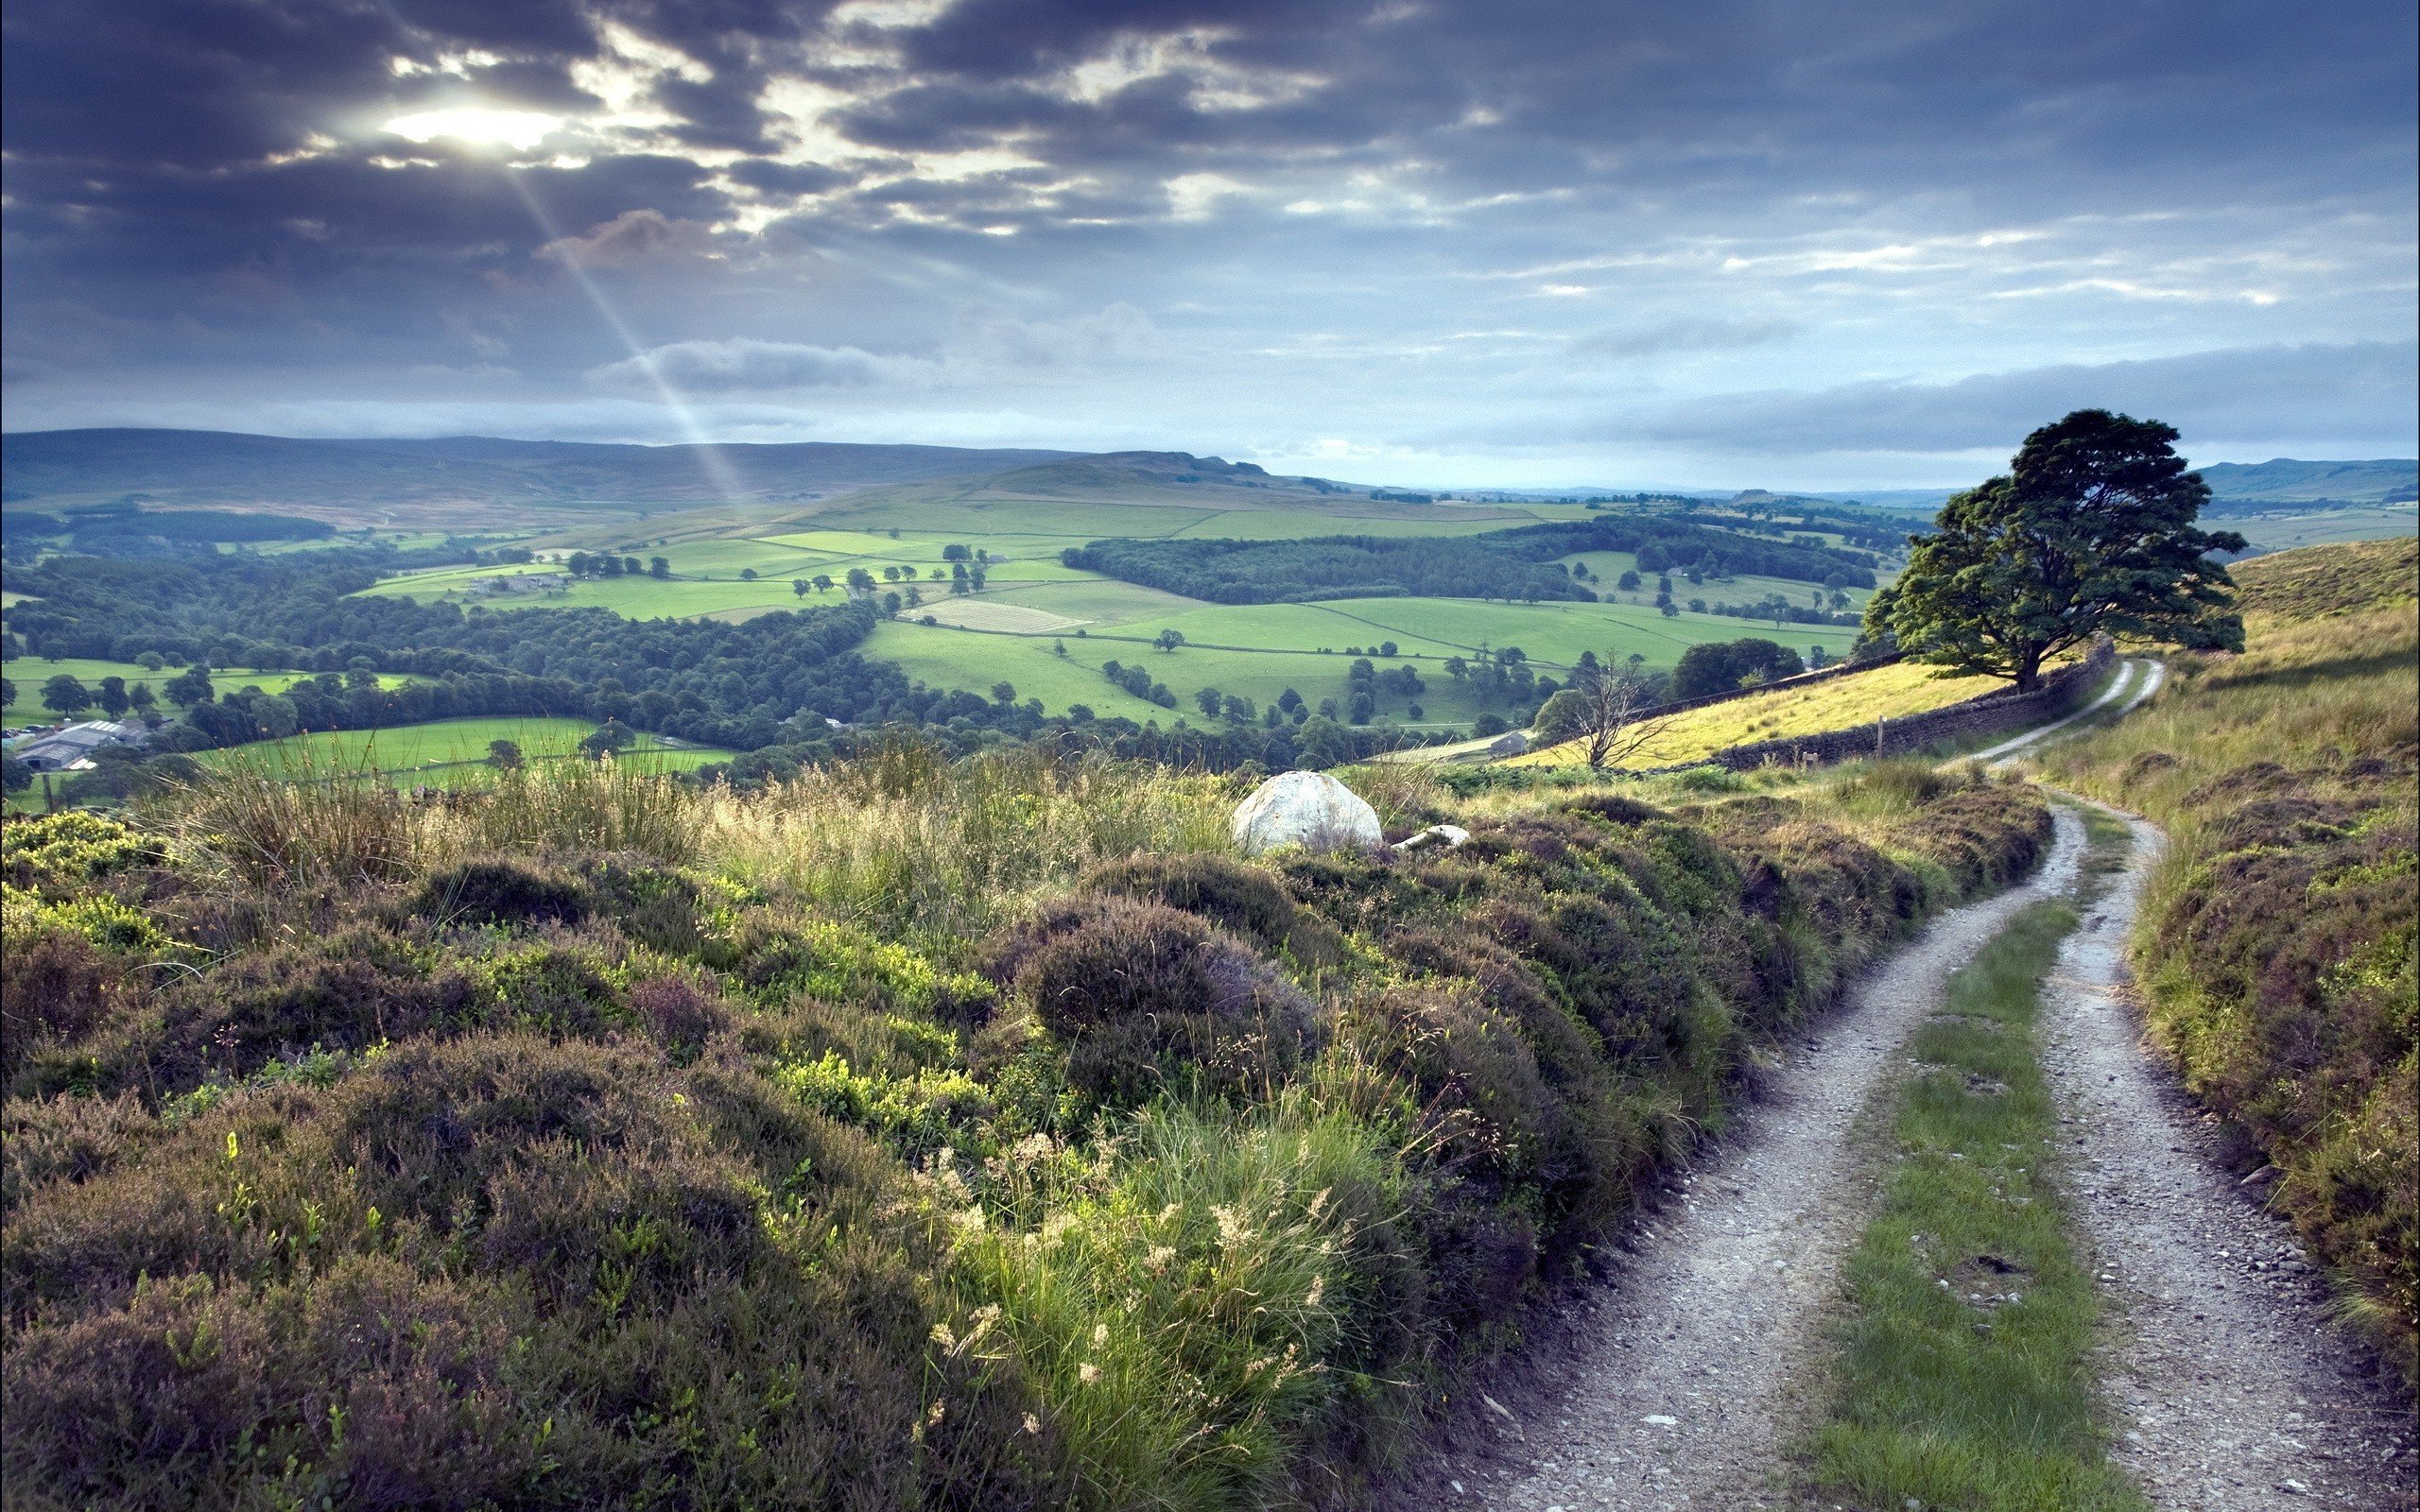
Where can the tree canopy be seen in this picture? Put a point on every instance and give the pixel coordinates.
(2089, 533)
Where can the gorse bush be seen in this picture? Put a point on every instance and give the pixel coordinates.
(968, 1134)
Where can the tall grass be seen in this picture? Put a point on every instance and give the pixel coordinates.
(335, 827)
(569, 806)
(903, 841)
(911, 845)
(1180, 1298)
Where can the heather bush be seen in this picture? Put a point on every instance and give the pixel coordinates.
(1145, 1000)
(974, 1134)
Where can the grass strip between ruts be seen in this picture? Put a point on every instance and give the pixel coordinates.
(1964, 1376)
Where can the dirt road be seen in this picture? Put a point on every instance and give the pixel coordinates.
(1672, 1394)
(1681, 1378)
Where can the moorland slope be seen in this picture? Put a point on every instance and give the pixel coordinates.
(959, 1135)
(2278, 939)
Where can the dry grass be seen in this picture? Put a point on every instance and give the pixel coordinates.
(1893, 691)
(938, 852)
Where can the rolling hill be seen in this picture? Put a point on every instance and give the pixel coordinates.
(454, 479)
(2284, 480)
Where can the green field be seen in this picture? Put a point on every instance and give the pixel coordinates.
(447, 749)
(30, 672)
(1030, 600)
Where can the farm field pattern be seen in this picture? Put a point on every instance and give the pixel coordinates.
(1031, 605)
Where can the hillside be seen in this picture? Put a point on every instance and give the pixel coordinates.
(912, 1134)
(2278, 943)
(455, 479)
(2284, 480)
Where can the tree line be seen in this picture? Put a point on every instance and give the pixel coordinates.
(1519, 565)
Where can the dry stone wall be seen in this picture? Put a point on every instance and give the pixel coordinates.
(1998, 713)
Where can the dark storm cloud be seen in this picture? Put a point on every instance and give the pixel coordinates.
(1429, 207)
(2338, 394)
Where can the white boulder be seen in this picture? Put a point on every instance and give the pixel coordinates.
(1309, 809)
(1449, 836)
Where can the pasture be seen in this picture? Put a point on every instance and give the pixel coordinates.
(1893, 691)
(1005, 632)
(444, 750)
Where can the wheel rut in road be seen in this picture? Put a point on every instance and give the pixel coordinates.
(1672, 1395)
(2234, 1387)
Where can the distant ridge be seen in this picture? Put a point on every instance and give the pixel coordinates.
(2287, 481)
(347, 479)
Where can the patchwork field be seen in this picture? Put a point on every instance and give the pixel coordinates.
(2283, 531)
(1005, 632)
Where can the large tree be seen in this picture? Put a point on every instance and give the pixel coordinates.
(2090, 533)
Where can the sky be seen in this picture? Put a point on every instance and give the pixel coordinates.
(1520, 243)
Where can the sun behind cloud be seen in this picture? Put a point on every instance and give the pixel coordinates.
(478, 126)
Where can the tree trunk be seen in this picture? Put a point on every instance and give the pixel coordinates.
(2028, 670)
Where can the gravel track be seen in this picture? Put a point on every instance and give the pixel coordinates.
(2233, 1390)
(1671, 1391)
(1672, 1387)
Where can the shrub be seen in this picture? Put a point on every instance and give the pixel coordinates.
(1248, 901)
(500, 891)
(359, 987)
(55, 988)
(1144, 999)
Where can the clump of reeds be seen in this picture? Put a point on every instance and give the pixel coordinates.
(291, 824)
(567, 805)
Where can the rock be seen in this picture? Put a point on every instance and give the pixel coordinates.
(1451, 834)
(1308, 809)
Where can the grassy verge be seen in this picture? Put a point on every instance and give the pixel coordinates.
(1964, 1378)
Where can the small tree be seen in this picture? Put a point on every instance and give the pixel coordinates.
(113, 696)
(613, 736)
(505, 755)
(1209, 698)
(799, 586)
(1005, 691)
(1617, 723)
(1168, 640)
(67, 695)
(2090, 533)
(657, 567)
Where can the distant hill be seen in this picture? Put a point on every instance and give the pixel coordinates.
(1116, 480)
(452, 479)
(2284, 480)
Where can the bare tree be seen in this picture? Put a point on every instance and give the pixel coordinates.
(1621, 720)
